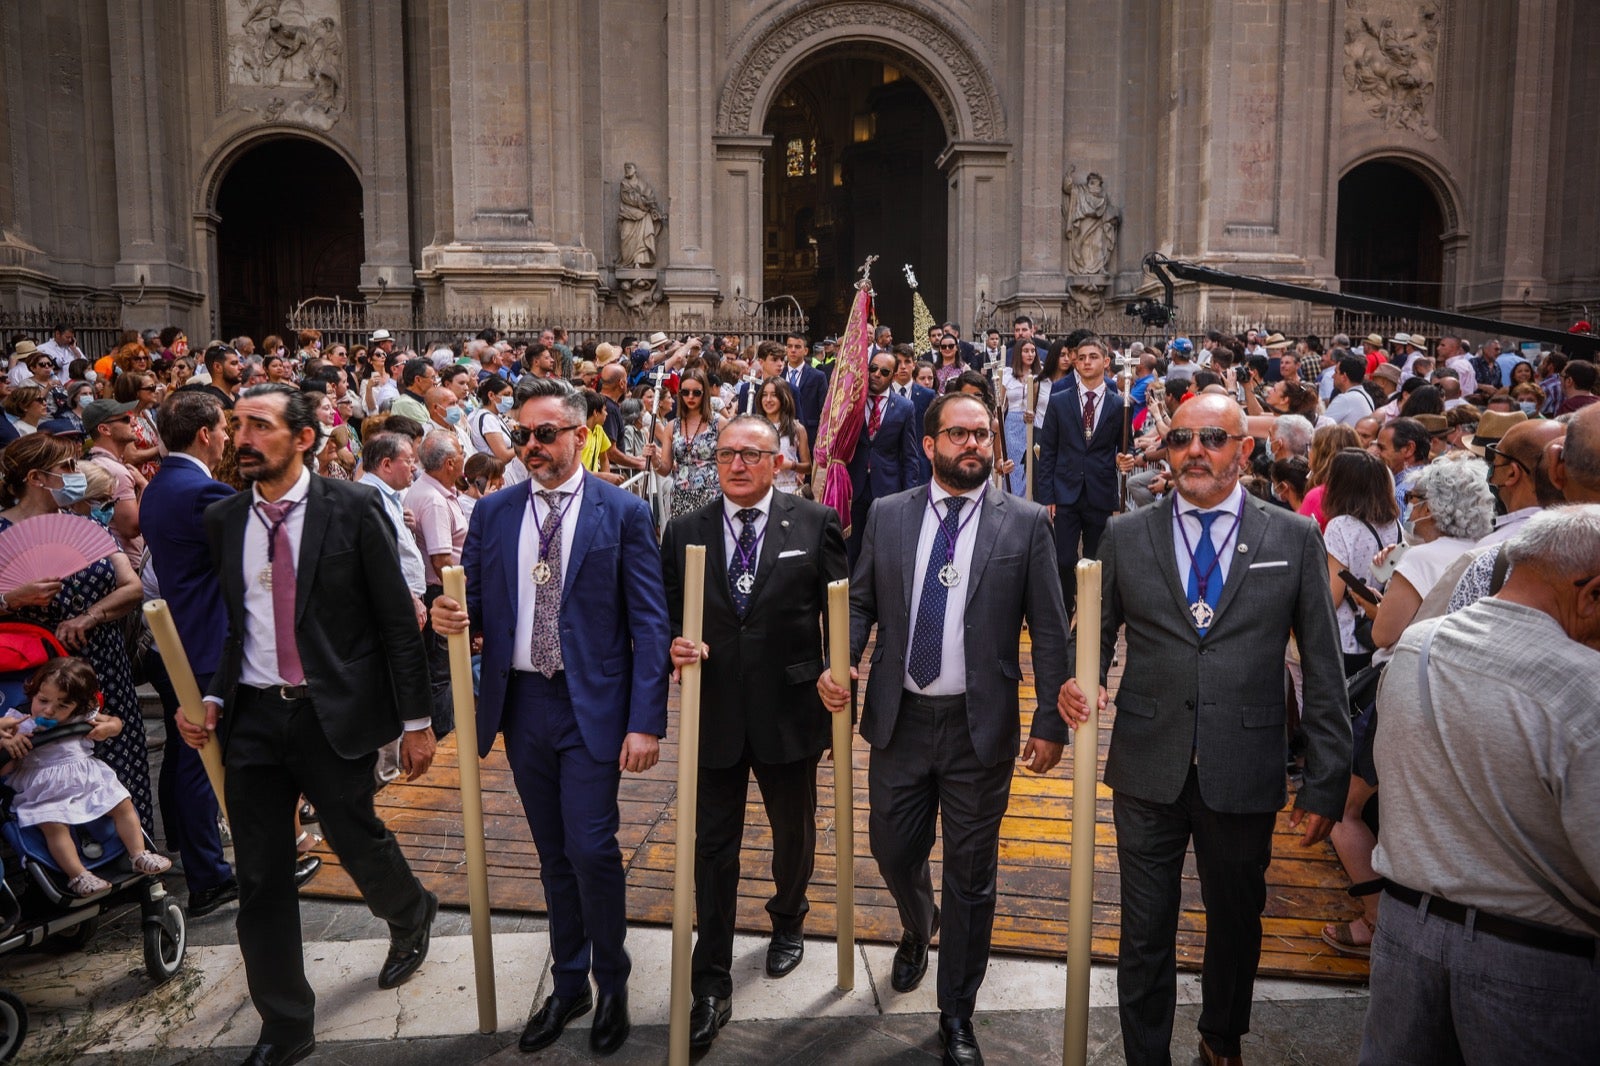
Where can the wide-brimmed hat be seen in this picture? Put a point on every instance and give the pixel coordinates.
(380, 335)
(658, 341)
(1276, 340)
(606, 354)
(103, 411)
(1400, 338)
(24, 351)
(1418, 341)
(1491, 427)
(1434, 424)
(1375, 339)
(1389, 372)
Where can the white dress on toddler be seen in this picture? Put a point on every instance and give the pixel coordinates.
(63, 782)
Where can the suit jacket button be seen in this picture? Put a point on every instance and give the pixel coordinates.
(1188, 705)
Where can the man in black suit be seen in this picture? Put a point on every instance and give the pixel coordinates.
(948, 575)
(1077, 476)
(769, 558)
(323, 665)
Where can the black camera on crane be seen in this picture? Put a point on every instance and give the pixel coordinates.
(1151, 312)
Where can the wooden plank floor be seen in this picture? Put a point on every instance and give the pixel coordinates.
(1305, 887)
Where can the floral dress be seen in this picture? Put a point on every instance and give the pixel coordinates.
(145, 436)
(125, 753)
(694, 478)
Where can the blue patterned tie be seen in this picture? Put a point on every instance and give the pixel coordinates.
(746, 549)
(927, 640)
(1205, 556)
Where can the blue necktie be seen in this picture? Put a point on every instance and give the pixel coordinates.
(1205, 557)
(745, 550)
(927, 640)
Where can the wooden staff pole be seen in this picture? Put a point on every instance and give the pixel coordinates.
(1085, 782)
(1028, 411)
(190, 704)
(844, 807)
(460, 644)
(694, 589)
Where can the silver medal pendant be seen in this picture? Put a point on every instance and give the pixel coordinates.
(949, 576)
(265, 578)
(1202, 614)
(541, 572)
(746, 582)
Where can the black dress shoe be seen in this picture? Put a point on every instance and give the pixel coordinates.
(960, 1042)
(407, 952)
(207, 900)
(611, 1025)
(785, 953)
(279, 1054)
(308, 815)
(305, 869)
(911, 959)
(708, 1015)
(545, 1027)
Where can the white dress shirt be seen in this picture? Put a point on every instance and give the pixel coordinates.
(260, 665)
(1224, 536)
(732, 527)
(533, 519)
(952, 679)
(412, 566)
(1099, 394)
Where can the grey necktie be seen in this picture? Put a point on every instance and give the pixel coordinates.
(545, 652)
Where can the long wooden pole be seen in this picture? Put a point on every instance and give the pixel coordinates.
(1028, 410)
(190, 705)
(460, 644)
(1085, 782)
(694, 589)
(844, 807)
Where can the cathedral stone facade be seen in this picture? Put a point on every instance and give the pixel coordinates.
(192, 160)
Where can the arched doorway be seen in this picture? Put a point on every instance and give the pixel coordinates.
(1389, 235)
(290, 228)
(851, 173)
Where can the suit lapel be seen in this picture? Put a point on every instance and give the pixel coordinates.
(508, 540)
(716, 551)
(773, 541)
(990, 523)
(1252, 527)
(910, 523)
(1075, 406)
(1158, 523)
(1110, 416)
(590, 516)
(311, 536)
(233, 548)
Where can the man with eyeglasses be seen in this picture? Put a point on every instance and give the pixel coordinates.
(942, 711)
(564, 585)
(769, 558)
(885, 460)
(1208, 586)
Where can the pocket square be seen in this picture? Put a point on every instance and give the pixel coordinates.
(1273, 565)
(791, 553)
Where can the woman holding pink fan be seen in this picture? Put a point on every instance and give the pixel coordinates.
(63, 572)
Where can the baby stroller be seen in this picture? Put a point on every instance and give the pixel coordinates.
(34, 903)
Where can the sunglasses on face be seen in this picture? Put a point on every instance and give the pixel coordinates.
(960, 435)
(1212, 438)
(947, 347)
(691, 392)
(545, 434)
(1492, 452)
(883, 371)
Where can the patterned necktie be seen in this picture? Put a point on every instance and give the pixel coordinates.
(283, 591)
(794, 378)
(744, 560)
(1204, 562)
(546, 648)
(1088, 415)
(877, 417)
(927, 640)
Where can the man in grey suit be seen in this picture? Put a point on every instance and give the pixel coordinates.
(1209, 585)
(948, 574)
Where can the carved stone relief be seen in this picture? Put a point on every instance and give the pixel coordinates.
(285, 59)
(1391, 50)
(1091, 225)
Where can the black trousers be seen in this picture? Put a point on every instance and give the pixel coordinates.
(277, 751)
(929, 770)
(789, 793)
(1231, 854)
(438, 648)
(1074, 521)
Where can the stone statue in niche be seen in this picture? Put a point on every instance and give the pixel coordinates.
(286, 59)
(639, 221)
(1391, 49)
(1091, 225)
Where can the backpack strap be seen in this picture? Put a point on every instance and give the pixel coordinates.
(1502, 565)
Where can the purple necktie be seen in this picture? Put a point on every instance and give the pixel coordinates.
(283, 590)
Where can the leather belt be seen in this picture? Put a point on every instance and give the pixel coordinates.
(1518, 932)
(286, 693)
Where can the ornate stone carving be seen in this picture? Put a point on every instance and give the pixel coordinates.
(639, 220)
(1091, 225)
(638, 291)
(1391, 50)
(803, 21)
(285, 59)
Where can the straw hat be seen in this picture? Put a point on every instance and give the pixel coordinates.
(1375, 340)
(1400, 338)
(1276, 340)
(606, 354)
(1435, 423)
(1388, 372)
(658, 341)
(1418, 341)
(1491, 427)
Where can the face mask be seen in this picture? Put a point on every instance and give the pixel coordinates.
(452, 415)
(74, 487)
(505, 404)
(103, 513)
(1528, 407)
(85, 400)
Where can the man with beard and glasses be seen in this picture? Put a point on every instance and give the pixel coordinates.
(942, 712)
(564, 583)
(323, 665)
(1209, 585)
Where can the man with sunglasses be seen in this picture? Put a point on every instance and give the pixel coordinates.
(769, 558)
(108, 425)
(948, 576)
(564, 584)
(1208, 585)
(886, 456)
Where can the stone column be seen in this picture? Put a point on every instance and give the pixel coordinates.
(688, 267)
(739, 253)
(979, 237)
(1041, 137)
(1527, 155)
(377, 84)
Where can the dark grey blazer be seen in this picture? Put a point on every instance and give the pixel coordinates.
(1231, 680)
(1014, 578)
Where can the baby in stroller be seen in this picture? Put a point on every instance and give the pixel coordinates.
(63, 785)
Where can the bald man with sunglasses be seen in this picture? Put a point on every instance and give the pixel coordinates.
(1209, 583)
(888, 456)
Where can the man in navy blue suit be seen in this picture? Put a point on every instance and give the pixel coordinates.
(810, 385)
(1077, 476)
(564, 583)
(194, 429)
(904, 384)
(887, 457)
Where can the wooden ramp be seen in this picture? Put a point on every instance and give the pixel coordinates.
(1305, 886)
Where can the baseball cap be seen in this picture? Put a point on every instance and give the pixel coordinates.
(103, 411)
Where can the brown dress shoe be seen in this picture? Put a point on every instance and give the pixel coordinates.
(1211, 1058)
